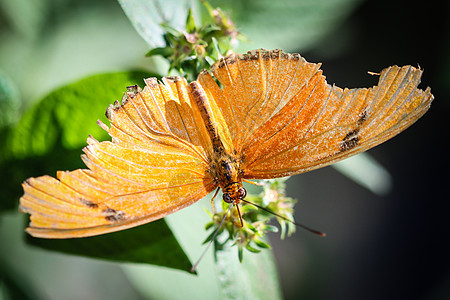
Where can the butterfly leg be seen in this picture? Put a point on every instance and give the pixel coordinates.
(240, 216)
(212, 200)
(252, 182)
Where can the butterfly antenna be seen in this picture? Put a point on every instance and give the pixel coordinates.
(194, 267)
(319, 233)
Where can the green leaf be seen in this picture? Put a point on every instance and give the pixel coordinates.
(210, 60)
(146, 17)
(9, 100)
(68, 115)
(241, 254)
(163, 51)
(170, 30)
(15, 171)
(366, 171)
(12, 284)
(261, 244)
(255, 278)
(190, 22)
(270, 228)
(152, 243)
(251, 249)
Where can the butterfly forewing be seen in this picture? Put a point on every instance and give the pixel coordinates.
(255, 86)
(155, 165)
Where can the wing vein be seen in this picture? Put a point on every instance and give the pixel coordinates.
(296, 114)
(320, 113)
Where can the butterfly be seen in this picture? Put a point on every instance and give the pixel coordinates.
(260, 115)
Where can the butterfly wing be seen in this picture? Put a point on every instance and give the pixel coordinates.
(255, 86)
(285, 119)
(154, 166)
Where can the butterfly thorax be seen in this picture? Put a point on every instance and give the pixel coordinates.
(227, 174)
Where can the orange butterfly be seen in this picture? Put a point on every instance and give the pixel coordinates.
(173, 142)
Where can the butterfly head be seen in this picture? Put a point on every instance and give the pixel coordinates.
(234, 193)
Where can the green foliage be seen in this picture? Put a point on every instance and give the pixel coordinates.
(147, 16)
(152, 243)
(250, 235)
(9, 101)
(196, 47)
(68, 115)
(253, 278)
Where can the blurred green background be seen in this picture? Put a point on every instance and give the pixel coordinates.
(392, 246)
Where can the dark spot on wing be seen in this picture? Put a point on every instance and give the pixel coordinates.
(151, 82)
(88, 203)
(274, 54)
(174, 78)
(133, 89)
(362, 117)
(113, 215)
(350, 140)
(255, 55)
(265, 55)
(294, 57)
(204, 72)
(229, 60)
(112, 107)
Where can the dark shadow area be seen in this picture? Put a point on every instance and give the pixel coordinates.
(391, 247)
